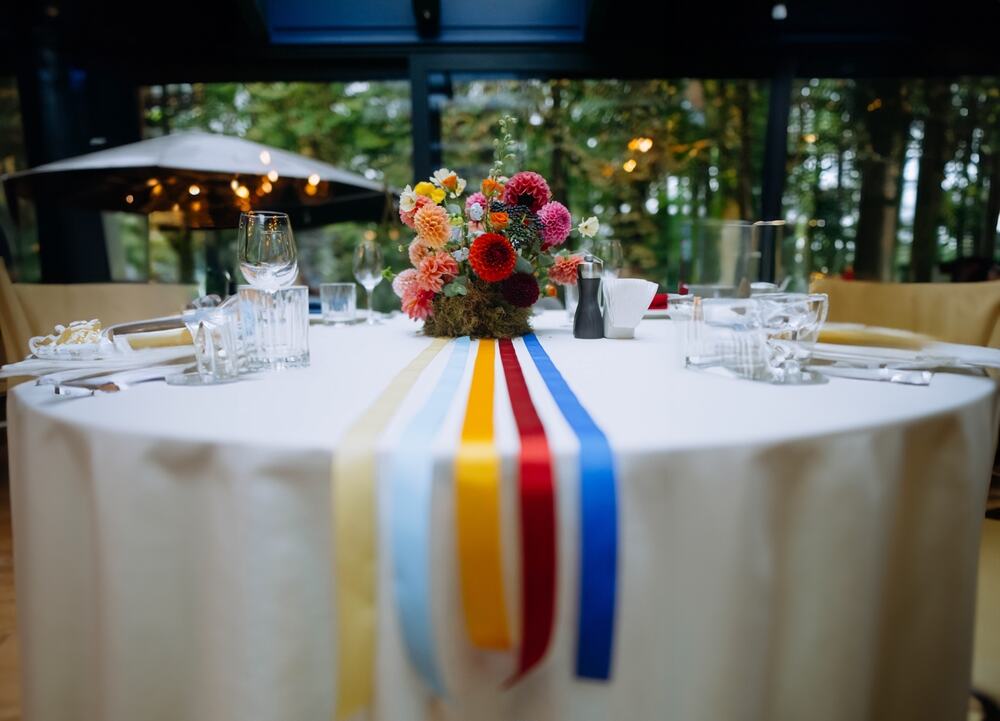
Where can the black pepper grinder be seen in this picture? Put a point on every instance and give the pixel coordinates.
(588, 322)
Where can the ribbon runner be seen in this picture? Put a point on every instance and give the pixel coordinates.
(598, 524)
(411, 472)
(477, 511)
(538, 524)
(354, 536)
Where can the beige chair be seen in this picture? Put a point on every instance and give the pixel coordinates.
(29, 309)
(952, 312)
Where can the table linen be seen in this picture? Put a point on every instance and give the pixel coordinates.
(784, 552)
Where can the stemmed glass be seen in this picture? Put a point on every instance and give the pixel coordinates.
(610, 251)
(368, 266)
(269, 262)
(267, 252)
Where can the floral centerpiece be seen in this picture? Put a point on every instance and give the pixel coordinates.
(479, 262)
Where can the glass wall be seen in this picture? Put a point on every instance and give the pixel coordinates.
(22, 244)
(363, 127)
(646, 157)
(893, 178)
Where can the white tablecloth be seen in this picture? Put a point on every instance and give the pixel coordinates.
(785, 552)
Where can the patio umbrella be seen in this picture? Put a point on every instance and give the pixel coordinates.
(207, 178)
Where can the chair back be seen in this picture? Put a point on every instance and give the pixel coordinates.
(30, 309)
(951, 312)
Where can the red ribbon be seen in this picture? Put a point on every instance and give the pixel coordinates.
(538, 518)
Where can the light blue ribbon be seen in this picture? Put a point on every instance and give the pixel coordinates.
(410, 481)
(598, 524)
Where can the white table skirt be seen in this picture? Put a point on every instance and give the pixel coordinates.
(785, 552)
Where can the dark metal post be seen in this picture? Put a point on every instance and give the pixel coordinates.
(420, 118)
(775, 158)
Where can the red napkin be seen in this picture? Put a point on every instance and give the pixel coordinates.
(659, 302)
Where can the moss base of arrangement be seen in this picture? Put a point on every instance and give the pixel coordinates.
(482, 313)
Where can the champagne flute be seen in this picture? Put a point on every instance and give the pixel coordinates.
(267, 252)
(368, 266)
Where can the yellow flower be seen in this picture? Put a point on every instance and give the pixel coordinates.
(428, 190)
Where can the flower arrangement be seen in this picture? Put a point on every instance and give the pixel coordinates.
(479, 265)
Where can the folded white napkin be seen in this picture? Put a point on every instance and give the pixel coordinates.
(626, 300)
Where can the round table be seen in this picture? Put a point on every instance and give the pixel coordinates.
(785, 552)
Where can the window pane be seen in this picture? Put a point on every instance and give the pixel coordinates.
(363, 127)
(22, 242)
(644, 156)
(893, 178)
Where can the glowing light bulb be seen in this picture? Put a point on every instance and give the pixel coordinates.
(272, 175)
(313, 179)
(194, 190)
(629, 165)
(265, 157)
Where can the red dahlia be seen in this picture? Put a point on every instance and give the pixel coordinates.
(492, 257)
(528, 189)
(520, 290)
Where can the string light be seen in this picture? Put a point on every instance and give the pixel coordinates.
(266, 186)
(234, 184)
(809, 138)
(272, 175)
(243, 191)
(629, 165)
(129, 199)
(642, 144)
(313, 179)
(194, 190)
(265, 157)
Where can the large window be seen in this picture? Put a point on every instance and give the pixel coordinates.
(22, 245)
(647, 157)
(893, 178)
(362, 127)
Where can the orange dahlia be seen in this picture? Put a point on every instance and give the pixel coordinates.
(492, 257)
(432, 225)
(434, 271)
(418, 251)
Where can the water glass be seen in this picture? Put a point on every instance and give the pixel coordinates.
(719, 258)
(214, 332)
(338, 301)
(275, 326)
(766, 338)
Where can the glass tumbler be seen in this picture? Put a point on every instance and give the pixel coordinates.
(339, 302)
(214, 332)
(275, 327)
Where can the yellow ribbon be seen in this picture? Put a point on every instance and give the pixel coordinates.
(477, 511)
(354, 535)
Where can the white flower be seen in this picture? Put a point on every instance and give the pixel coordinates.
(460, 255)
(589, 227)
(407, 199)
(476, 212)
(439, 176)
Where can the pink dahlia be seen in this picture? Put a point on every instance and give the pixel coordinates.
(434, 271)
(556, 224)
(404, 282)
(418, 304)
(407, 216)
(432, 225)
(476, 197)
(418, 251)
(527, 188)
(563, 271)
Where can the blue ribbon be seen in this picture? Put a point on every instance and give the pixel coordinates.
(411, 471)
(598, 524)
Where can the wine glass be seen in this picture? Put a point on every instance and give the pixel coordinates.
(267, 252)
(610, 251)
(368, 266)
